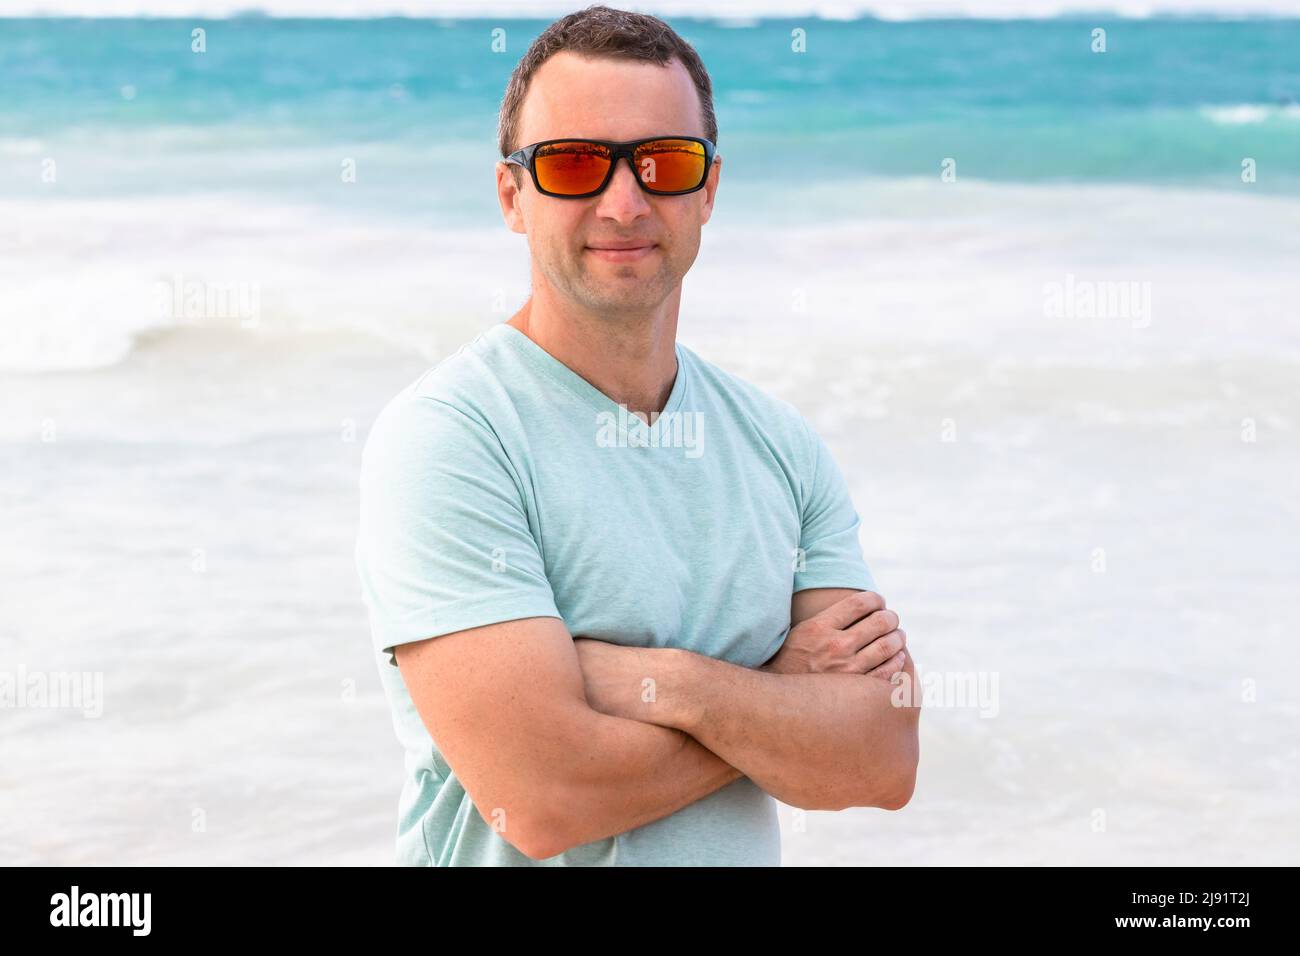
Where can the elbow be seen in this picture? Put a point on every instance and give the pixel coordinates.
(540, 846)
(902, 780)
(543, 829)
(557, 808)
(891, 794)
(530, 828)
(890, 787)
(554, 831)
(901, 795)
(886, 781)
(898, 783)
(540, 838)
(535, 842)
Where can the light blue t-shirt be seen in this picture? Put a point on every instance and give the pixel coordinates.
(502, 485)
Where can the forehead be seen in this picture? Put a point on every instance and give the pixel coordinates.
(607, 98)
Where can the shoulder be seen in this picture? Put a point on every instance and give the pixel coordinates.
(448, 407)
(774, 418)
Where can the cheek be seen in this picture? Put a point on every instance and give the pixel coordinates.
(683, 222)
(685, 245)
(682, 233)
(544, 243)
(561, 234)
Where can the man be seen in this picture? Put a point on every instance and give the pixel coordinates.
(617, 593)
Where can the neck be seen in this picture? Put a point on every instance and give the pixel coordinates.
(631, 358)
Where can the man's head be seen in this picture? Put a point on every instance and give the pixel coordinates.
(609, 75)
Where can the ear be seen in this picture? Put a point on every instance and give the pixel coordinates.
(510, 196)
(711, 188)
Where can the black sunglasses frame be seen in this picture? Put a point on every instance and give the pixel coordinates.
(525, 157)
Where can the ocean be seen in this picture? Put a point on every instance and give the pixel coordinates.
(1043, 302)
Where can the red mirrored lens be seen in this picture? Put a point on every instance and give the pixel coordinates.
(571, 169)
(671, 165)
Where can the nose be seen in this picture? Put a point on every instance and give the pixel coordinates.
(623, 200)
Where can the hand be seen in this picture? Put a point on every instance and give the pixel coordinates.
(855, 635)
(615, 677)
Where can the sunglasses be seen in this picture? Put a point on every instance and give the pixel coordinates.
(580, 168)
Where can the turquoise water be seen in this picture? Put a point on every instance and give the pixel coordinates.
(273, 104)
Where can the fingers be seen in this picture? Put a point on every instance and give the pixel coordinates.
(852, 608)
(875, 625)
(880, 651)
(891, 667)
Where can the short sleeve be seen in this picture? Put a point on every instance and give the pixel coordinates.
(830, 554)
(443, 542)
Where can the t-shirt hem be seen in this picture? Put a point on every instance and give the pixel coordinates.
(835, 576)
(461, 616)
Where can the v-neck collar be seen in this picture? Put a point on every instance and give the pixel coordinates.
(551, 367)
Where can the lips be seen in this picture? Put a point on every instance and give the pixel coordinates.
(621, 251)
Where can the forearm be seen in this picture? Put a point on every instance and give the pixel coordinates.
(816, 741)
(628, 773)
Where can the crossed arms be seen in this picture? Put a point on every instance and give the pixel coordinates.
(561, 741)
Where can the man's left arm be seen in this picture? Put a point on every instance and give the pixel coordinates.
(823, 741)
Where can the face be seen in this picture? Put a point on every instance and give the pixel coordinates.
(616, 100)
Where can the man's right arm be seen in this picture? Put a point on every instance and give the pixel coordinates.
(505, 705)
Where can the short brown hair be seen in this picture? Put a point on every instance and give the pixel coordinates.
(600, 31)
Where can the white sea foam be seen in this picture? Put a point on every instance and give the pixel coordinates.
(966, 264)
(20, 146)
(1245, 113)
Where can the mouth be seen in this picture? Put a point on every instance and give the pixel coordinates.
(621, 252)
